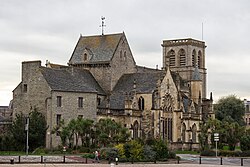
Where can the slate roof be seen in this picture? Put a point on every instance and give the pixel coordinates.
(101, 48)
(71, 80)
(145, 83)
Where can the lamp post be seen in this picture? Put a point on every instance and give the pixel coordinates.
(27, 135)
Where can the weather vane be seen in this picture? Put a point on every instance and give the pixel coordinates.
(103, 18)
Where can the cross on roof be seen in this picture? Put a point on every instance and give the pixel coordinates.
(103, 18)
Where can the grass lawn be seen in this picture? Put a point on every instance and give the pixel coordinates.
(12, 153)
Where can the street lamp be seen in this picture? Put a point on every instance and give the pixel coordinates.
(27, 135)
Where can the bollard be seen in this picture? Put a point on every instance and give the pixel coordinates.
(19, 159)
(41, 159)
(116, 161)
(86, 160)
(241, 164)
(12, 161)
(64, 159)
(200, 161)
(221, 161)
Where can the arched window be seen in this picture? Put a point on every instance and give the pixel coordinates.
(168, 128)
(182, 57)
(199, 61)
(194, 58)
(171, 56)
(183, 132)
(194, 130)
(155, 97)
(135, 130)
(141, 103)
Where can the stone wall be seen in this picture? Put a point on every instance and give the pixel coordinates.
(69, 110)
(33, 90)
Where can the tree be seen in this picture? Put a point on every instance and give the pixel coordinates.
(84, 130)
(37, 130)
(18, 132)
(110, 132)
(230, 109)
(244, 143)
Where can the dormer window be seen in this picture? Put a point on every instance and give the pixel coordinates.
(86, 55)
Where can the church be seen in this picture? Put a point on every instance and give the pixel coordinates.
(102, 80)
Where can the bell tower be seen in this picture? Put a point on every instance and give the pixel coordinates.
(182, 56)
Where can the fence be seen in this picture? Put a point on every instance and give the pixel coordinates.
(43, 159)
(234, 161)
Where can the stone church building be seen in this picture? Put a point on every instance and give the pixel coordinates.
(102, 80)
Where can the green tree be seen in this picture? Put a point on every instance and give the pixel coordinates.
(62, 131)
(18, 132)
(85, 130)
(110, 132)
(230, 109)
(37, 130)
(245, 140)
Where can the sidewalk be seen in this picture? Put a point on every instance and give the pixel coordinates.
(110, 165)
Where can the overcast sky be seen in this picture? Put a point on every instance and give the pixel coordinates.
(48, 30)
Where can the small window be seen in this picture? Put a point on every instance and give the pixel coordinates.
(141, 103)
(80, 116)
(125, 56)
(80, 102)
(98, 101)
(58, 119)
(59, 101)
(121, 54)
(25, 88)
(85, 57)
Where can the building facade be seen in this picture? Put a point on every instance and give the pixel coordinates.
(247, 113)
(102, 80)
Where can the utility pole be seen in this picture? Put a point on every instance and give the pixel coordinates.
(27, 135)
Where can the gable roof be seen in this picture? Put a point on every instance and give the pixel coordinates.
(101, 47)
(71, 80)
(145, 83)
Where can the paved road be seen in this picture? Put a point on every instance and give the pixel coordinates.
(231, 161)
(110, 165)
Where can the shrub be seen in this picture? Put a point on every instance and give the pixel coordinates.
(208, 153)
(136, 150)
(121, 151)
(171, 155)
(245, 153)
(244, 142)
(89, 155)
(84, 150)
(109, 153)
(228, 153)
(161, 149)
(148, 153)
